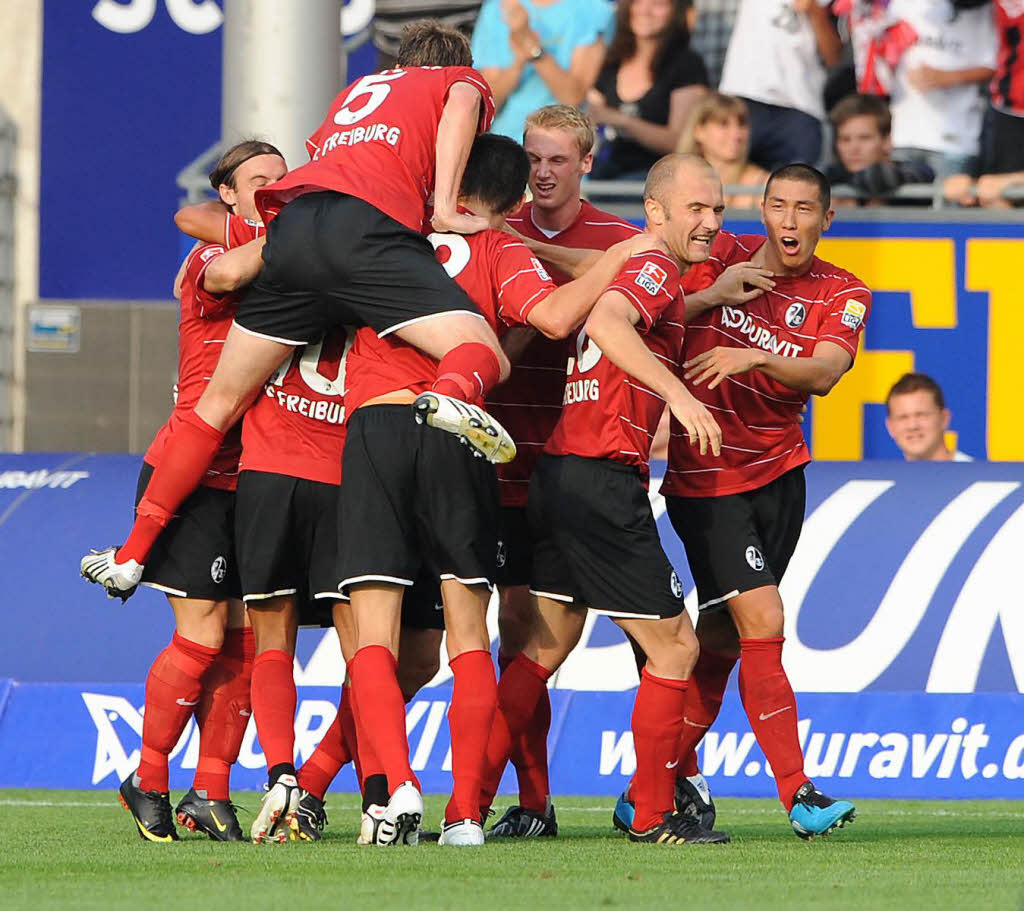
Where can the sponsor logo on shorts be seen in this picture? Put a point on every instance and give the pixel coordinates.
(651, 277)
(754, 558)
(853, 314)
(675, 585)
(219, 569)
(795, 315)
(502, 554)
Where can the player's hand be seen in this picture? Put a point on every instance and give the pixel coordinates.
(641, 243)
(741, 283)
(459, 223)
(700, 427)
(926, 78)
(720, 362)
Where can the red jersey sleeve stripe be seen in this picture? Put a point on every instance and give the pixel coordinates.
(648, 321)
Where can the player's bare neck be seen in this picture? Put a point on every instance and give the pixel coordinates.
(556, 219)
(767, 257)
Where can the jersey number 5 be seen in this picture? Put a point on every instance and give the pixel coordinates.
(376, 87)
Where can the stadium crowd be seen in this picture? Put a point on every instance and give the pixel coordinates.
(291, 478)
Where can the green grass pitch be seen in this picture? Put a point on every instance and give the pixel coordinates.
(77, 849)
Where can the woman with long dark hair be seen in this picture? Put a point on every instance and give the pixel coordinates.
(649, 83)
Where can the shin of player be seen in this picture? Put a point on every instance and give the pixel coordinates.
(754, 503)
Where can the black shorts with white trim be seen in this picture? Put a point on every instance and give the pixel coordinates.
(335, 260)
(286, 531)
(597, 543)
(413, 500)
(194, 557)
(741, 541)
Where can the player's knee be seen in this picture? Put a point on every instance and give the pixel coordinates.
(419, 665)
(515, 623)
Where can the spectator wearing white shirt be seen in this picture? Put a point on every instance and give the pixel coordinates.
(777, 61)
(917, 420)
(937, 104)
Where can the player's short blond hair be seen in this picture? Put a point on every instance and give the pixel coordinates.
(563, 117)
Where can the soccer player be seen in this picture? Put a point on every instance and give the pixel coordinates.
(422, 500)
(597, 544)
(739, 517)
(345, 248)
(559, 140)
(207, 665)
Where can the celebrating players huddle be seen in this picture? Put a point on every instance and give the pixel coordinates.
(339, 455)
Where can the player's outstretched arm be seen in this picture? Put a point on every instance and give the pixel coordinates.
(573, 261)
(736, 286)
(203, 221)
(568, 305)
(814, 375)
(235, 268)
(455, 134)
(612, 327)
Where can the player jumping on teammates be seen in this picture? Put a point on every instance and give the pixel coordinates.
(740, 516)
(345, 248)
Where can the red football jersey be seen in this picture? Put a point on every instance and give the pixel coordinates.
(529, 403)
(297, 426)
(205, 321)
(1007, 87)
(501, 277)
(378, 142)
(238, 230)
(606, 413)
(761, 435)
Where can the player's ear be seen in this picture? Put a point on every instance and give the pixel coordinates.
(587, 163)
(655, 212)
(516, 206)
(826, 222)
(228, 195)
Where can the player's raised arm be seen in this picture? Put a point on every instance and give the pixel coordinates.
(235, 268)
(455, 134)
(204, 221)
(612, 327)
(739, 284)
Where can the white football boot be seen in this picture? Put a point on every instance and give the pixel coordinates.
(470, 423)
(274, 820)
(405, 812)
(465, 832)
(374, 828)
(119, 579)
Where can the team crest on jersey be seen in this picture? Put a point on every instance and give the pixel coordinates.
(853, 314)
(218, 570)
(539, 269)
(651, 277)
(754, 559)
(795, 315)
(675, 585)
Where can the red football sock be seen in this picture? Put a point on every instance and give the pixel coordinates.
(771, 708)
(328, 758)
(520, 690)
(188, 453)
(468, 372)
(474, 700)
(703, 701)
(173, 688)
(657, 721)
(380, 713)
(347, 713)
(530, 752)
(223, 713)
(273, 704)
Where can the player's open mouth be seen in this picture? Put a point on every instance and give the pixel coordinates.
(701, 240)
(790, 244)
(545, 188)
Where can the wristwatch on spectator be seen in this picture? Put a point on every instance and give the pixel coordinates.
(537, 53)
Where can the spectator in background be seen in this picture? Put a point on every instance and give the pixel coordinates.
(711, 32)
(777, 62)
(538, 52)
(391, 16)
(1002, 143)
(936, 105)
(646, 89)
(719, 132)
(878, 38)
(863, 127)
(917, 420)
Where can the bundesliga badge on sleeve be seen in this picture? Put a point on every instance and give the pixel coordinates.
(853, 314)
(651, 278)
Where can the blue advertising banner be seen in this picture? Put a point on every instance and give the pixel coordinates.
(904, 580)
(859, 745)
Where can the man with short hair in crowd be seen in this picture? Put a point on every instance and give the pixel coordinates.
(917, 420)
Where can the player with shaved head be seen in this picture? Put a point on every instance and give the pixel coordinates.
(597, 545)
